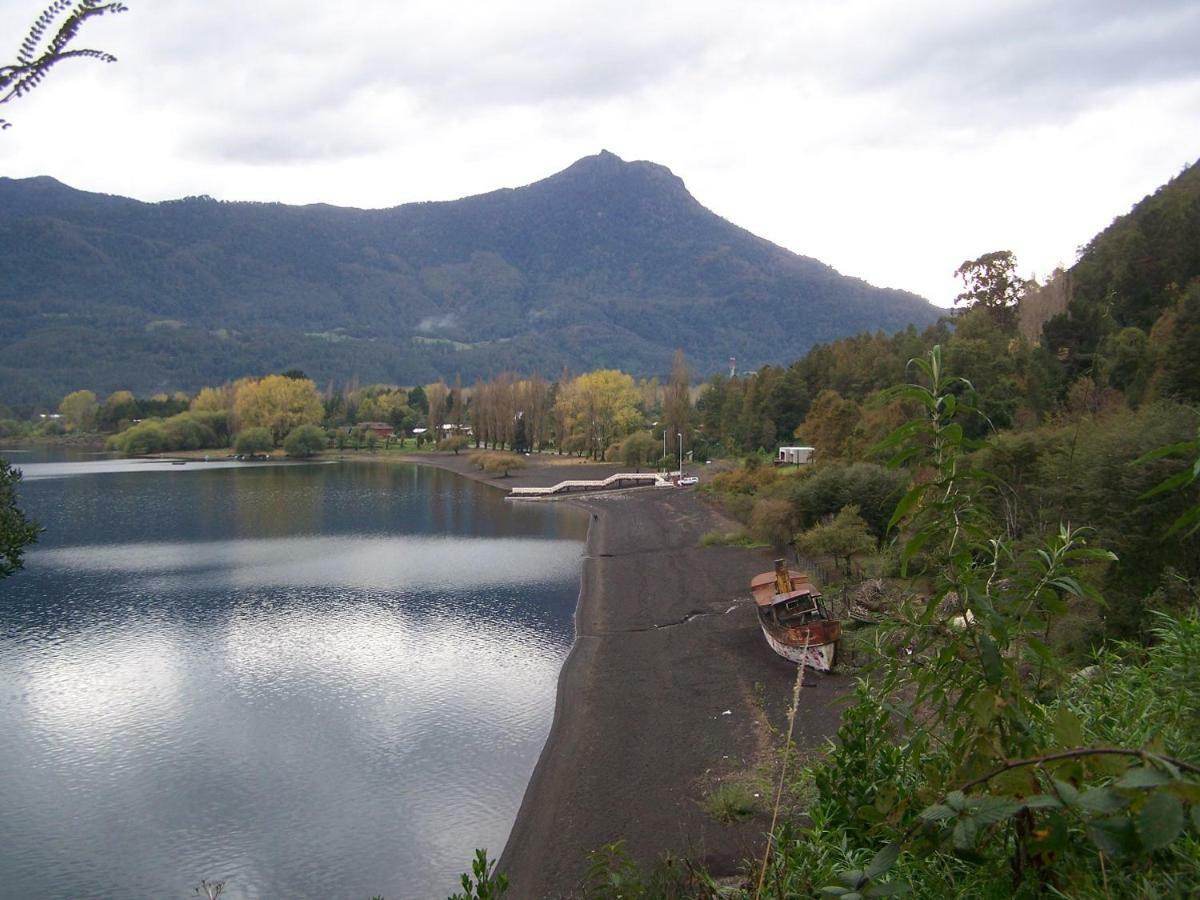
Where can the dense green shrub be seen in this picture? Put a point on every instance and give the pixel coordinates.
(773, 521)
(874, 489)
(304, 441)
(255, 440)
(144, 437)
(1015, 777)
(185, 431)
(498, 462)
(745, 479)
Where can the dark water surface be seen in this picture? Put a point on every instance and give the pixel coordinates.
(326, 681)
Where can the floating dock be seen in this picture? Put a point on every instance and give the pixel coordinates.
(611, 483)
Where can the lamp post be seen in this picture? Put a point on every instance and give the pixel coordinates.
(680, 436)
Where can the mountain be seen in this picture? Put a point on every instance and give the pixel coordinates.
(1133, 292)
(607, 263)
(1135, 264)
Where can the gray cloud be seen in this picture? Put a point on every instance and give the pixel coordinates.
(1021, 63)
(278, 81)
(264, 78)
(267, 79)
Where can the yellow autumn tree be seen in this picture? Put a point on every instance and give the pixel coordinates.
(278, 404)
(598, 408)
(78, 410)
(213, 399)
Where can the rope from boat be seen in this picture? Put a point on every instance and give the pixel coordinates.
(787, 752)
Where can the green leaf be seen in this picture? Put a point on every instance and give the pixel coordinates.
(1168, 450)
(1042, 650)
(899, 459)
(1195, 811)
(1112, 766)
(1067, 792)
(990, 659)
(905, 504)
(1068, 730)
(956, 800)
(1142, 777)
(1043, 801)
(1054, 604)
(912, 548)
(1102, 801)
(965, 831)
(834, 891)
(1178, 480)
(883, 860)
(1069, 585)
(868, 814)
(1052, 836)
(885, 799)
(983, 706)
(1115, 836)
(852, 878)
(1166, 765)
(1090, 553)
(1189, 518)
(990, 810)
(937, 813)
(890, 889)
(1160, 821)
(903, 433)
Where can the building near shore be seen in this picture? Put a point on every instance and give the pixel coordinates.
(795, 456)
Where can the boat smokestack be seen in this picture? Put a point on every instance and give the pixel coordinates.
(783, 580)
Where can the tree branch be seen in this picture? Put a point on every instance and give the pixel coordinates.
(1075, 754)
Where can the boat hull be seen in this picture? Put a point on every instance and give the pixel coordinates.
(819, 654)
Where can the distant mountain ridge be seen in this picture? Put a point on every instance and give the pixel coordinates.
(606, 263)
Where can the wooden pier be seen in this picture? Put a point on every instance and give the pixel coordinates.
(612, 482)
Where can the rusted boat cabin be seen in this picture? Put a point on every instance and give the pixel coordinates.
(785, 596)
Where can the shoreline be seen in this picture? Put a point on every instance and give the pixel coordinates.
(668, 690)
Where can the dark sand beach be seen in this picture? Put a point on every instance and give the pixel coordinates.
(657, 700)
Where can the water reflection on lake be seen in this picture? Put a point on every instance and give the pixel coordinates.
(309, 681)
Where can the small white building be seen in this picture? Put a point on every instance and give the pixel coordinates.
(795, 456)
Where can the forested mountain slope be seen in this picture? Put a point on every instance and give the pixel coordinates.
(1134, 296)
(607, 263)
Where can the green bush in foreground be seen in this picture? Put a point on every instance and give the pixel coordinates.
(1005, 775)
(482, 883)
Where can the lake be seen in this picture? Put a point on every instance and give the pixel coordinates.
(325, 680)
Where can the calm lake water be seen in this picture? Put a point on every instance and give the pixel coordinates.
(326, 680)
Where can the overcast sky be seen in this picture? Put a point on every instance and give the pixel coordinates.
(891, 140)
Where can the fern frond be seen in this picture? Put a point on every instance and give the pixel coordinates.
(36, 56)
